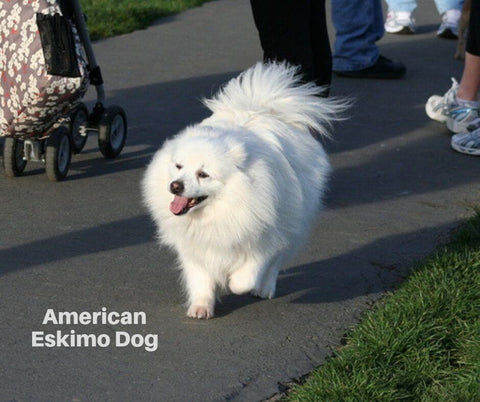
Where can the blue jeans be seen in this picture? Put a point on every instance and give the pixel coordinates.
(410, 5)
(358, 25)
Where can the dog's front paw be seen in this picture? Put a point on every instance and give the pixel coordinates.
(267, 292)
(200, 312)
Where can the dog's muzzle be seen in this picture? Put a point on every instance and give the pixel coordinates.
(181, 205)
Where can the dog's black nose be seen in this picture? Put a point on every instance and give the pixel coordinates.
(176, 187)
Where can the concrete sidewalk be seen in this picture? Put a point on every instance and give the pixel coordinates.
(87, 243)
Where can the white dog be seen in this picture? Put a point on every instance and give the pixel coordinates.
(237, 194)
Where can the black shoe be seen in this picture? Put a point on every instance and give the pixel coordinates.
(383, 68)
(447, 33)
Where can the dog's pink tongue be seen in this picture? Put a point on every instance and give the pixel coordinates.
(178, 204)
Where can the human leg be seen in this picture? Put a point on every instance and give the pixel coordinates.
(295, 31)
(359, 25)
(320, 44)
(402, 5)
(445, 5)
(470, 81)
(451, 11)
(356, 33)
(399, 17)
(469, 142)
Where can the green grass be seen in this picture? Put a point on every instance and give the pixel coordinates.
(114, 17)
(421, 343)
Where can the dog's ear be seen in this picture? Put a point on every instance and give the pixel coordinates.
(237, 152)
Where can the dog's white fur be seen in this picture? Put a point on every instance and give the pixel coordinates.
(264, 175)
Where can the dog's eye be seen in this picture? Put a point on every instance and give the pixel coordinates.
(202, 175)
(178, 166)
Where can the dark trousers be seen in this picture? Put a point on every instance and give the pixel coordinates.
(295, 31)
(473, 36)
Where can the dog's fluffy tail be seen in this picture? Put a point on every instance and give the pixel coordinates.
(276, 89)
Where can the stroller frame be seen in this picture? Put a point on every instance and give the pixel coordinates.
(55, 147)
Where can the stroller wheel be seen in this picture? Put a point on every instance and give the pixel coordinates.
(13, 158)
(78, 128)
(58, 154)
(112, 131)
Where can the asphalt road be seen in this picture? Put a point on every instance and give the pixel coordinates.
(87, 243)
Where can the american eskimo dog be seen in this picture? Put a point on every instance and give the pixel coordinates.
(237, 194)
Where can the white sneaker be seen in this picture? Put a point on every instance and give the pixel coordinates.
(449, 27)
(459, 115)
(400, 22)
(463, 117)
(437, 106)
(467, 143)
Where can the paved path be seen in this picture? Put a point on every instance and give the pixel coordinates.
(87, 243)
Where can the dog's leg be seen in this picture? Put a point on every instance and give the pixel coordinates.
(258, 277)
(244, 279)
(201, 292)
(265, 287)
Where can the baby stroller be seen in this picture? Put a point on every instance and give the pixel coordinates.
(44, 75)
